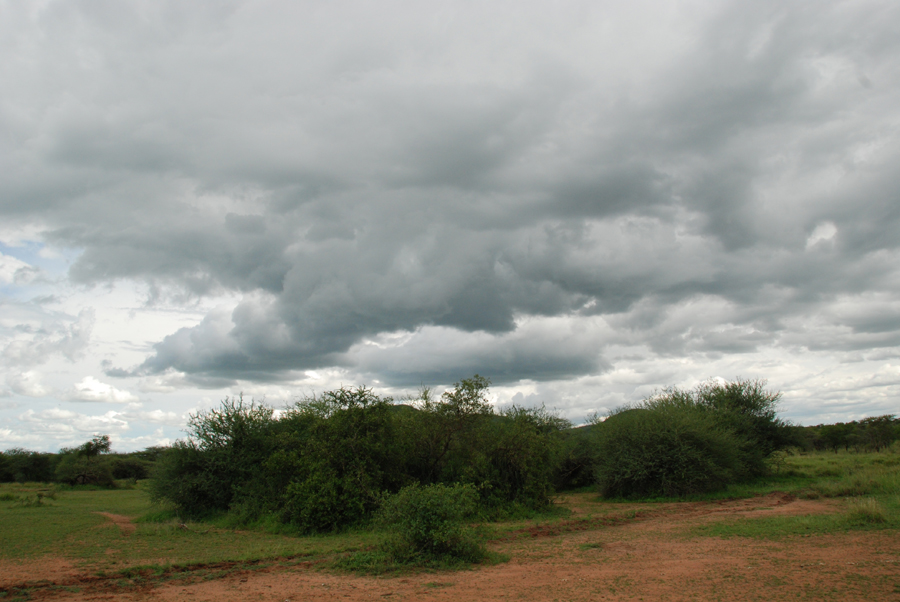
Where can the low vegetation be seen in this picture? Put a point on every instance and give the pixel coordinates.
(409, 479)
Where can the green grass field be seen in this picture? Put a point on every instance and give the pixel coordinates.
(70, 527)
(867, 485)
(66, 524)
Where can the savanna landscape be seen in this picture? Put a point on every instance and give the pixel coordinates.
(703, 494)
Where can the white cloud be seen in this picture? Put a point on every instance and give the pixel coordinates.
(28, 383)
(14, 270)
(824, 232)
(91, 389)
(56, 421)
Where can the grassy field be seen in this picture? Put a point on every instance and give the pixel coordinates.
(74, 524)
(868, 484)
(68, 524)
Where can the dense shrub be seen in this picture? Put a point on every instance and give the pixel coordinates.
(25, 466)
(129, 467)
(665, 451)
(326, 463)
(6, 473)
(682, 442)
(508, 457)
(427, 524)
(750, 411)
(219, 461)
(577, 458)
(341, 456)
(520, 451)
(875, 433)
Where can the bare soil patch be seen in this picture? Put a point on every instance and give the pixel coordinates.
(122, 522)
(650, 558)
(45, 570)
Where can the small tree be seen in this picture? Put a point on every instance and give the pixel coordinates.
(878, 431)
(83, 465)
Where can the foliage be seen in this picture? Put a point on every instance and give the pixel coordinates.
(684, 442)
(99, 444)
(875, 433)
(665, 450)
(223, 454)
(749, 410)
(577, 458)
(325, 463)
(508, 457)
(343, 459)
(83, 465)
(129, 466)
(427, 523)
(23, 466)
(443, 432)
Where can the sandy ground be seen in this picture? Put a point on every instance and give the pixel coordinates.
(652, 558)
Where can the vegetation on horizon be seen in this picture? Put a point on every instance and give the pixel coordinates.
(422, 470)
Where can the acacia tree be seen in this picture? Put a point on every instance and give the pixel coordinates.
(82, 465)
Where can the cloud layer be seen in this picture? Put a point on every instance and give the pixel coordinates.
(408, 194)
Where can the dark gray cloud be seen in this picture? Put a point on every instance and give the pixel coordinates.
(709, 183)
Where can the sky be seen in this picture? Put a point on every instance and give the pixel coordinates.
(583, 201)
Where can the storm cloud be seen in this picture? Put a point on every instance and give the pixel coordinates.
(408, 194)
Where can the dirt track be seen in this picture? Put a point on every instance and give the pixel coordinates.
(651, 559)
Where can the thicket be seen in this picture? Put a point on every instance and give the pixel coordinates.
(344, 457)
(869, 434)
(91, 463)
(681, 442)
(327, 462)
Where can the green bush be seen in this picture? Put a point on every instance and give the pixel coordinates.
(508, 457)
(577, 460)
(326, 463)
(219, 462)
(427, 524)
(683, 442)
(129, 467)
(25, 466)
(74, 469)
(341, 458)
(665, 451)
(748, 409)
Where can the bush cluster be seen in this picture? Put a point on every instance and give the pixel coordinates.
(875, 433)
(682, 442)
(327, 462)
(91, 463)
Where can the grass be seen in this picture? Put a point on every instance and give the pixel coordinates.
(44, 522)
(70, 527)
(868, 484)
